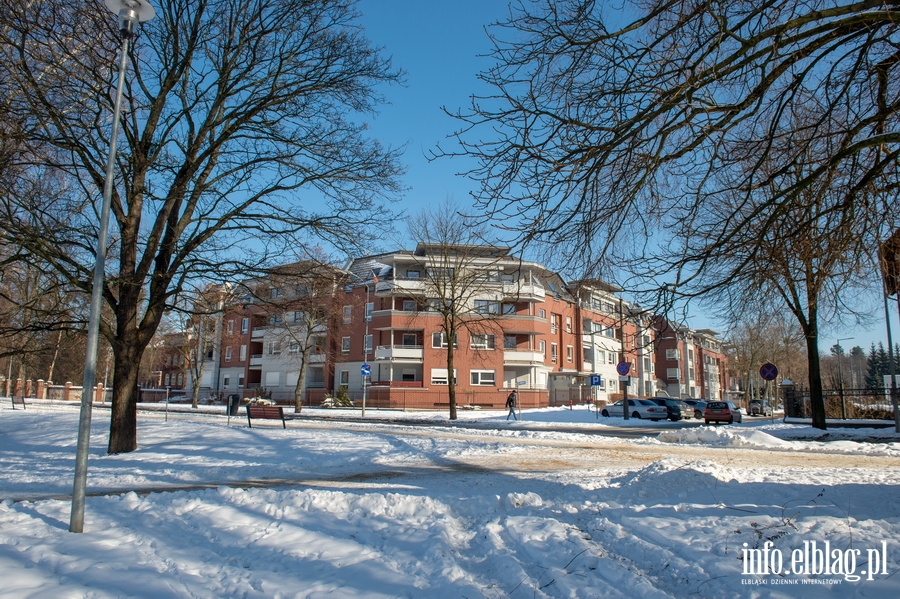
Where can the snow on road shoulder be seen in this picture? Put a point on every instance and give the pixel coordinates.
(754, 438)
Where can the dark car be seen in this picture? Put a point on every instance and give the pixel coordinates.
(721, 411)
(675, 410)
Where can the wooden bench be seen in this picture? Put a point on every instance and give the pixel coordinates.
(265, 413)
(18, 400)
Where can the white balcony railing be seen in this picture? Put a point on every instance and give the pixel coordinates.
(522, 356)
(399, 352)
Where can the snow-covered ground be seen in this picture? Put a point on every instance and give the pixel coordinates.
(207, 507)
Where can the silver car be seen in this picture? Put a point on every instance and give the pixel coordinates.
(637, 409)
(698, 405)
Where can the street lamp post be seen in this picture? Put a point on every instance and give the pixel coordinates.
(841, 377)
(129, 12)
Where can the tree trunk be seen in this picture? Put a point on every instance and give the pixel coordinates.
(123, 423)
(816, 399)
(450, 382)
(301, 380)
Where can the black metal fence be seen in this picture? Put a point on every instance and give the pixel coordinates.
(842, 403)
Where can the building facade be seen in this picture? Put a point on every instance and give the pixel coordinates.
(381, 337)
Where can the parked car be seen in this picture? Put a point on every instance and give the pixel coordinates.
(760, 408)
(721, 411)
(637, 408)
(698, 405)
(675, 410)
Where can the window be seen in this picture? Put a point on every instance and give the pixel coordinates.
(348, 314)
(230, 327)
(370, 307)
(437, 304)
(317, 343)
(671, 354)
(245, 325)
(273, 379)
(409, 339)
(610, 357)
(228, 354)
(691, 376)
(368, 344)
(487, 307)
(345, 377)
(554, 322)
(672, 374)
(509, 309)
(243, 353)
(554, 353)
(166, 383)
(274, 292)
(439, 376)
(293, 347)
(439, 340)
(240, 381)
(609, 332)
(588, 353)
(298, 316)
(483, 377)
(570, 353)
(568, 324)
(482, 342)
(345, 345)
(509, 342)
(408, 375)
(274, 348)
(542, 313)
(409, 305)
(690, 355)
(413, 274)
(543, 346)
(226, 381)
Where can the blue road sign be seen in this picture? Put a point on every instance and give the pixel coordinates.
(596, 380)
(768, 371)
(365, 369)
(623, 368)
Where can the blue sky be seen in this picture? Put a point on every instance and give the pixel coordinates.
(438, 44)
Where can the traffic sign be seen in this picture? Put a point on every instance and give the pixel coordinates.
(623, 368)
(365, 369)
(596, 380)
(768, 371)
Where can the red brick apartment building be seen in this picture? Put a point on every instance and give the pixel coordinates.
(522, 327)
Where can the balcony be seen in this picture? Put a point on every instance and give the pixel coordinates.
(406, 353)
(399, 320)
(412, 287)
(317, 358)
(524, 292)
(258, 332)
(256, 360)
(524, 324)
(522, 356)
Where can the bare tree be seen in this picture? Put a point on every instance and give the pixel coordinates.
(609, 121)
(238, 138)
(763, 334)
(461, 277)
(299, 301)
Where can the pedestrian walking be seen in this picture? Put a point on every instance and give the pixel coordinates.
(511, 404)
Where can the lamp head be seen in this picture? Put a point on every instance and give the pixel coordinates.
(130, 12)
